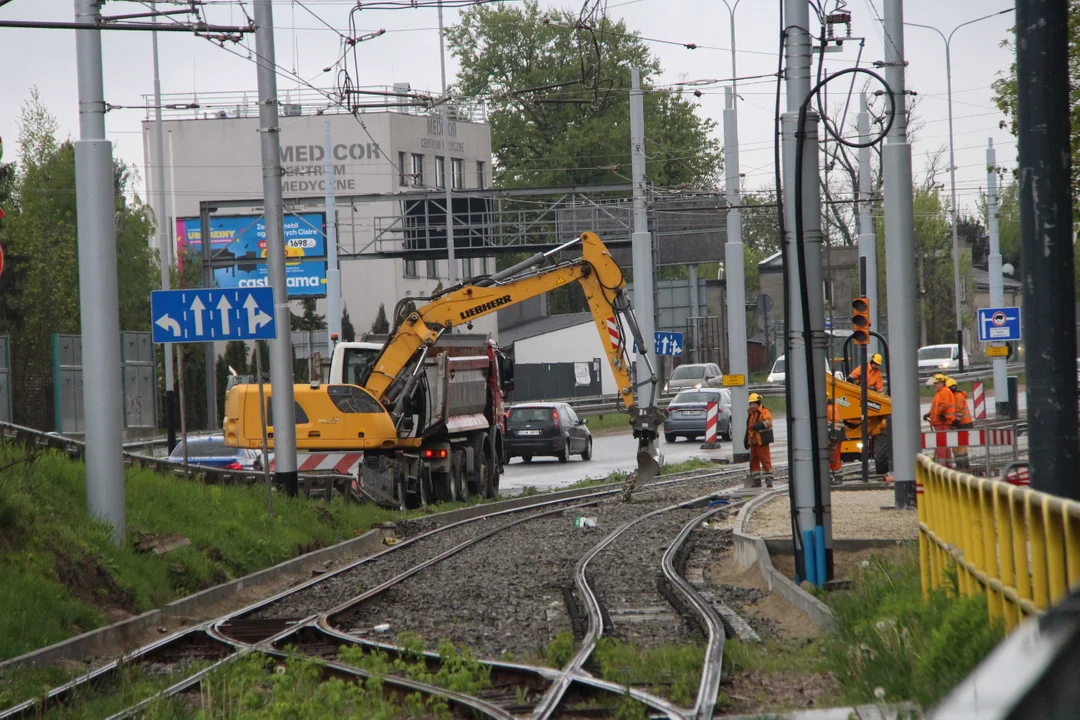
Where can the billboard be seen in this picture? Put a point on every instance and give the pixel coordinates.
(238, 251)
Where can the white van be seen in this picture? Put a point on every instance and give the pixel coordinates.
(779, 370)
(941, 357)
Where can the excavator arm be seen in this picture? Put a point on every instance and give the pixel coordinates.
(395, 372)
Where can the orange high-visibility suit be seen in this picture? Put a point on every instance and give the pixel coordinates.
(759, 420)
(942, 416)
(834, 439)
(874, 381)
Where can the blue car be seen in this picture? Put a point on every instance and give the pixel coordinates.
(211, 451)
(686, 414)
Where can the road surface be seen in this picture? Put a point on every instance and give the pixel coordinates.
(617, 452)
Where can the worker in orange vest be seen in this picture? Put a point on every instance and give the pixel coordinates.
(942, 414)
(874, 380)
(836, 436)
(962, 421)
(759, 435)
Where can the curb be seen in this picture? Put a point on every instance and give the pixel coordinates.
(125, 632)
(751, 549)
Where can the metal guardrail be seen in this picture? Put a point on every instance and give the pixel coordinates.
(1019, 546)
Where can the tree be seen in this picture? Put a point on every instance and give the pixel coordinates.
(1008, 224)
(380, 325)
(308, 320)
(39, 289)
(348, 332)
(579, 132)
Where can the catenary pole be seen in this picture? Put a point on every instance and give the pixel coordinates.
(1046, 242)
(281, 356)
(452, 274)
(99, 303)
(736, 279)
(900, 269)
(164, 240)
(333, 272)
(867, 239)
(811, 485)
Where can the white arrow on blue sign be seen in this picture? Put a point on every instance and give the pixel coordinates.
(213, 315)
(666, 343)
(999, 324)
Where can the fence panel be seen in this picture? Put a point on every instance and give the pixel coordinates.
(5, 379)
(1019, 546)
(556, 381)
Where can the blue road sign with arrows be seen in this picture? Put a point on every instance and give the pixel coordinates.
(666, 343)
(181, 316)
(999, 324)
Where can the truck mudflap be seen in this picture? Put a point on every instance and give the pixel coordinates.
(383, 481)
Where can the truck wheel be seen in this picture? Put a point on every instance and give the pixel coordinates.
(480, 478)
(441, 487)
(458, 480)
(883, 452)
(564, 455)
(427, 494)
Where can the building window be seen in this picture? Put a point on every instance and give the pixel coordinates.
(466, 268)
(410, 269)
(458, 167)
(440, 172)
(480, 174)
(433, 269)
(402, 169)
(417, 170)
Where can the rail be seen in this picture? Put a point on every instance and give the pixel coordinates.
(1019, 546)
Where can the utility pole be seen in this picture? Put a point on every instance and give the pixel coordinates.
(641, 240)
(734, 257)
(164, 242)
(99, 301)
(809, 462)
(997, 282)
(867, 239)
(452, 275)
(900, 267)
(281, 356)
(736, 277)
(1042, 84)
(333, 274)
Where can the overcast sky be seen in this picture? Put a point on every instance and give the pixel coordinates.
(409, 52)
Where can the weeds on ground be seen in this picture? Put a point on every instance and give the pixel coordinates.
(673, 671)
(887, 636)
(457, 670)
(620, 476)
(63, 575)
(560, 651)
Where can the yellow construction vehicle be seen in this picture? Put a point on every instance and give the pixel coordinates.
(420, 416)
(847, 397)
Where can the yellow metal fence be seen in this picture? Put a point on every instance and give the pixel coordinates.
(1019, 546)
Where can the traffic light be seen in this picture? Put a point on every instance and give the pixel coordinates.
(860, 320)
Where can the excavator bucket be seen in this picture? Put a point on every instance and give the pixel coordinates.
(648, 468)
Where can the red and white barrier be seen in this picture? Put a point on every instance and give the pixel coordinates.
(613, 332)
(965, 438)
(1018, 476)
(978, 399)
(711, 412)
(341, 463)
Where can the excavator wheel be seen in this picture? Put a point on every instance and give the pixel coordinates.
(883, 452)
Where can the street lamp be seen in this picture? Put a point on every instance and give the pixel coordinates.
(731, 13)
(952, 169)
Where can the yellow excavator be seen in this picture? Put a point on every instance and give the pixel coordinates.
(847, 398)
(429, 424)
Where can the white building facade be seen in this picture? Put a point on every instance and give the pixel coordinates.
(213, 153)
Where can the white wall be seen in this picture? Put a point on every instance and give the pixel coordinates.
(580, 343)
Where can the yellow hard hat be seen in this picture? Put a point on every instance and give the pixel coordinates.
(877, 359)
(754, 397)
(950, 383)
(940, 378)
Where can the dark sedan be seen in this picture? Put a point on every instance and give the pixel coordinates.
(687, 410)
(546, 429)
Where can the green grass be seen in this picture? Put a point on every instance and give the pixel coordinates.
(673, 671)
(63, 575)
(618, 476)
(888, 637)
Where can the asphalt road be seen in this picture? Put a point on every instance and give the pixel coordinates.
(617, 452)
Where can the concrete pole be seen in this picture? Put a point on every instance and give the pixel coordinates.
(641, 240)
(955, 230)
(997, 282)
(333, 274)
(98, 298)
(1046, 243)
(867, 239)
(448, 163)
(812, 506)
(900, 268)
(164, 242)
(695, 312)
(281, 356)
(734, 263)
